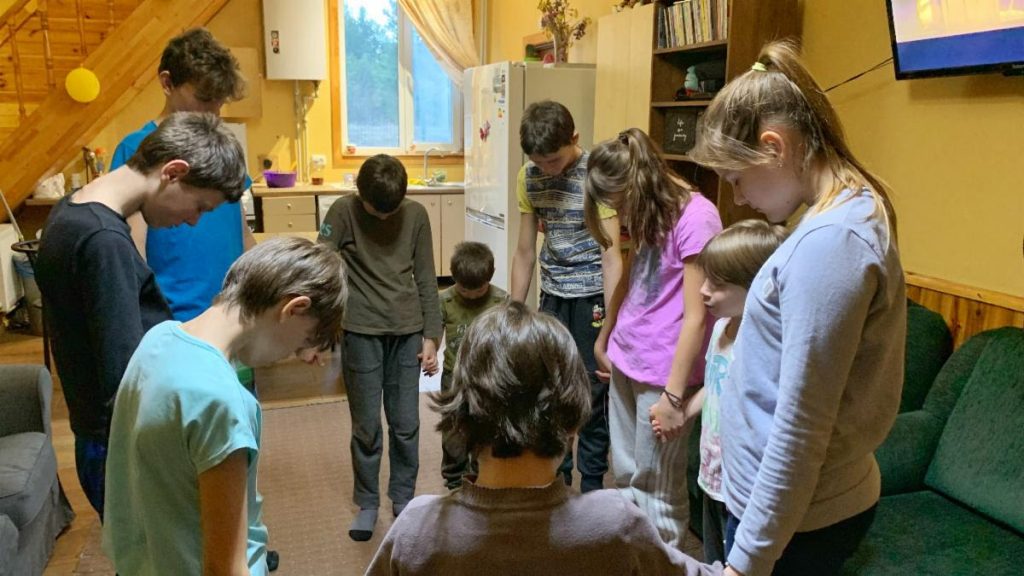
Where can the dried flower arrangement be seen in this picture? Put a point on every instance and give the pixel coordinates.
(562, 24)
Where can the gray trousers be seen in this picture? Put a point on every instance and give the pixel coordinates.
(650, 473)
(384, 368)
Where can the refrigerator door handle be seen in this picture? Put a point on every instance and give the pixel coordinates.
(485, 218)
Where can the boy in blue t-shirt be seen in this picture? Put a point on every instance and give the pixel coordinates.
(194, 509)
(197, 74)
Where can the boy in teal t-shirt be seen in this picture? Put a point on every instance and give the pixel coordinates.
(185, 438)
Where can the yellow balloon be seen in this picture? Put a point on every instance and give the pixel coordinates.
(82, 85)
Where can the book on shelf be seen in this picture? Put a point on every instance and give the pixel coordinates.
(686, 22)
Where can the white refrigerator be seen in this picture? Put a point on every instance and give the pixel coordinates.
(494, 98)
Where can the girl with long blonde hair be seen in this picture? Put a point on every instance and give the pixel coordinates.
(818, 361)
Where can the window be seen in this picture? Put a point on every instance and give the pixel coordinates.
(395, 97)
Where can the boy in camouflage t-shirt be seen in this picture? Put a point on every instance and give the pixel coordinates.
(472, 269)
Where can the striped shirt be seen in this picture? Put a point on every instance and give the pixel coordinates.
(570, 259)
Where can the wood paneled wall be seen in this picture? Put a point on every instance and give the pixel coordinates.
(966, 310)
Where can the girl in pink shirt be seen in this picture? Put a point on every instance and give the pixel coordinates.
(655, 332)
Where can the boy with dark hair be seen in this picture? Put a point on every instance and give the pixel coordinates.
(99, 294)
(382, 182)
(392, 327)
(572, 283)
(520, 394)
(197, 74)
(194, 508)
(472, 268)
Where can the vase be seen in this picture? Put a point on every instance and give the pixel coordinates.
(561, 50)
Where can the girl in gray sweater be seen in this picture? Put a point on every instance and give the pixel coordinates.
(520, 393)
(818, 362)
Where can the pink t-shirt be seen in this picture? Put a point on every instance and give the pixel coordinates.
(647, 329)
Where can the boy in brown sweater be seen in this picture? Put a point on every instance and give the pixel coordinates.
(391, 329)
(520, 394)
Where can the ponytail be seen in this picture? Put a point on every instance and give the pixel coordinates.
(628, 174)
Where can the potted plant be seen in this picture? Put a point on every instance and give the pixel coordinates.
(562, 24)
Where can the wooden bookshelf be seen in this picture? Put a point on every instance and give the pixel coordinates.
(681, 104)
(696, 47)
(751, 23)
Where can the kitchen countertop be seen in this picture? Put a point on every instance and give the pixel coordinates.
(330, 189)
(261, 236)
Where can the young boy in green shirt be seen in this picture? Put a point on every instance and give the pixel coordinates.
(472, 268)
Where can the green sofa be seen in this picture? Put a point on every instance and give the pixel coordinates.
(953, 471)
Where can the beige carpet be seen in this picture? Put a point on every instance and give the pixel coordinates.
(306, 481)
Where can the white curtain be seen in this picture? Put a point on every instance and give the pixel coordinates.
(446, 27)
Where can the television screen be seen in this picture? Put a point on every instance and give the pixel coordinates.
(946, 37)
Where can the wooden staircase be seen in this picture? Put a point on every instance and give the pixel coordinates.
(41, 128)
(40, 42)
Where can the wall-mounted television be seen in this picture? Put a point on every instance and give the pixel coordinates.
(952, 37)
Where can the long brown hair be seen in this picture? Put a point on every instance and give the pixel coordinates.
(628, 174)
(779, 91)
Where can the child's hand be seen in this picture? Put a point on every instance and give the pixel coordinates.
(667, 421)
(604, 365)
(428, 357)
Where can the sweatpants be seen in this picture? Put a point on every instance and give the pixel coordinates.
(91, 465)
(455, 460)
(648, 472)
(583, 317)
(383, 368)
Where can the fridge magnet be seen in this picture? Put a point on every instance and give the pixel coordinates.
(485, 131)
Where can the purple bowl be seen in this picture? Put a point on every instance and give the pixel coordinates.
(279, 179)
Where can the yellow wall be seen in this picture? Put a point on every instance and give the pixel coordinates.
(509, 20)
(951, 148)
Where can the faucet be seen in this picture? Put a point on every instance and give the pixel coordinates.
(426, 158)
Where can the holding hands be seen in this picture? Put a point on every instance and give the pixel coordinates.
(428, 357)
(670, 414)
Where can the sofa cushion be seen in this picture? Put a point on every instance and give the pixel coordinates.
(8, 545)
(980, 457)
(28, 469)
(926, 533)
(929, 345)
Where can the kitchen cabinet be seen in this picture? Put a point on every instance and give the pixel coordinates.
(289, 214)
(453, 229)
(299, 211)
(447, 213)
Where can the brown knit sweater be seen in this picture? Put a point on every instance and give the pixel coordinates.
(524, 531)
